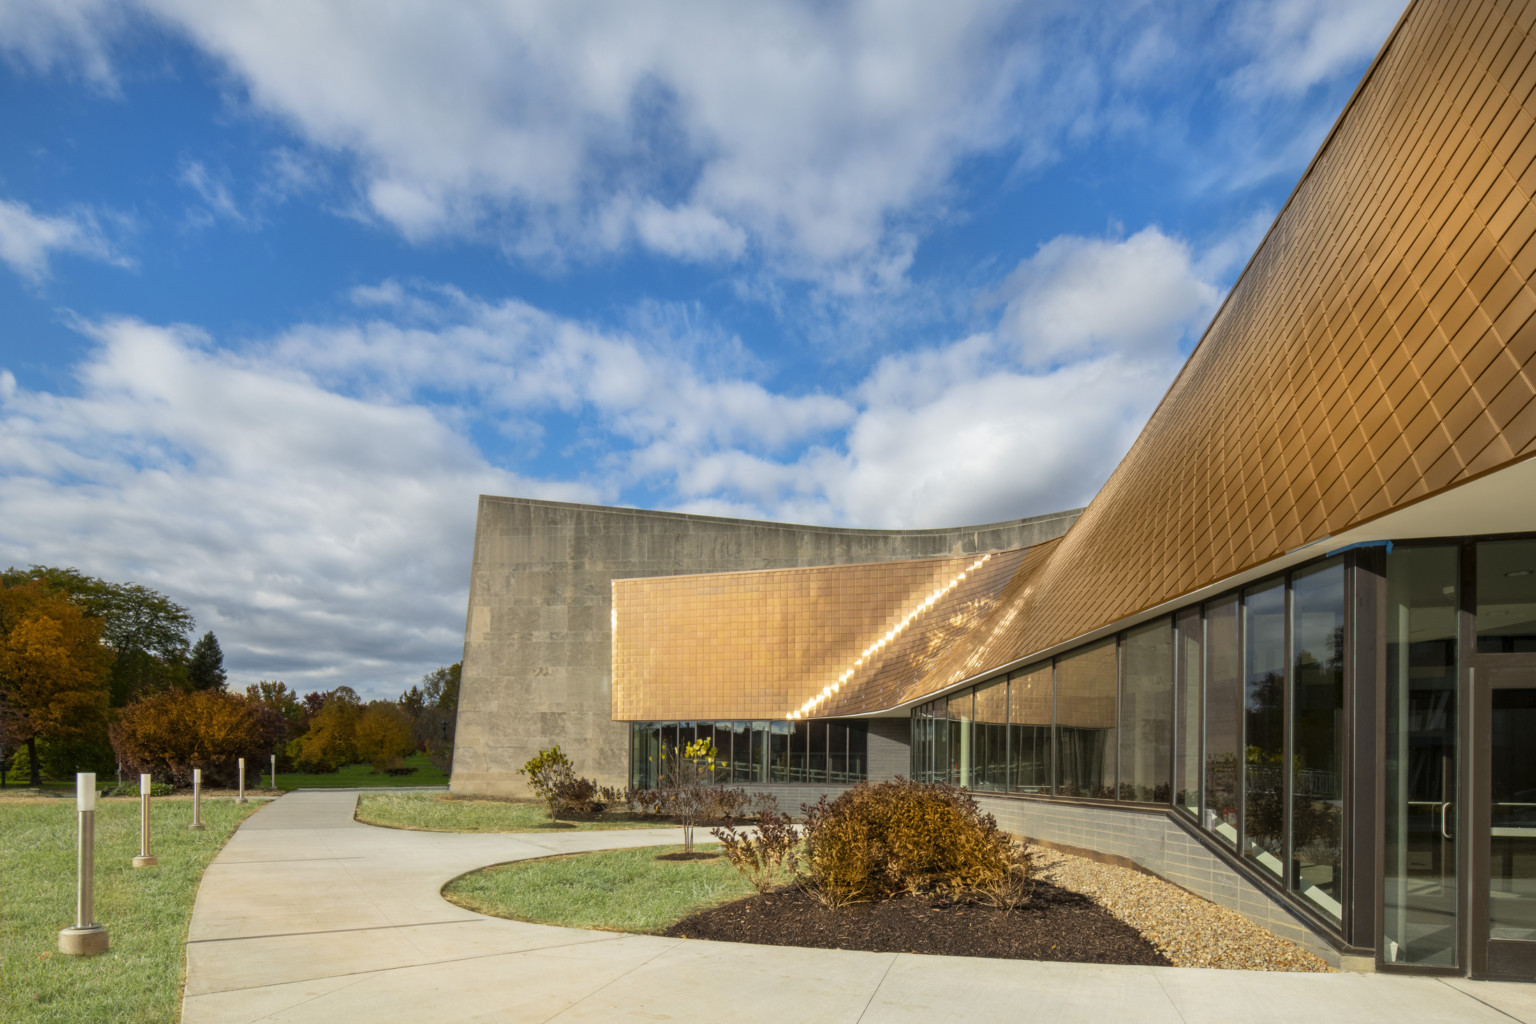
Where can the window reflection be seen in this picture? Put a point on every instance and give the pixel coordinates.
(1317, 737)
(1085, 721)
(1146, 712)
(1264, 726)
(1187, 708)
(814, 751)
(1029, 729)
(1223, 718)
(1420, 877)
(1506, 597)
(990, 737)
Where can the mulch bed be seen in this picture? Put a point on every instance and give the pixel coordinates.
(1054, 925)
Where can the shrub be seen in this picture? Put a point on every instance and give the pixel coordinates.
(171, 733)
(552, 776)
(901, 837)
(770, 859)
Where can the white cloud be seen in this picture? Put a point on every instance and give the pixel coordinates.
(69, 35)
(324, 538)
(311, 496)
(1079, 297)
(1299, 43)
(28, 239)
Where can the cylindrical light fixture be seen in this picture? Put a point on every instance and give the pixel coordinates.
(145, 859)
(274, 771)
(85, 937)
(241, 798)
(197, 801)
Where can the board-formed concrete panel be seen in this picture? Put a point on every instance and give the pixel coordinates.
(537, 654)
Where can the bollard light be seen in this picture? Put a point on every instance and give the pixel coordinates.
(197, 801)
(85, 937)
(145, 859)
(241, 798)
(274, 771)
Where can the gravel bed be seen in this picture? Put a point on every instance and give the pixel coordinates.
(1188, 930)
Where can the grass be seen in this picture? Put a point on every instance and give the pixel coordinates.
(439, 812)
(146, 911)
(358, 776)
(616, 890)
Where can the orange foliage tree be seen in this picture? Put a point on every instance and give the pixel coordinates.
(53, 667)
(170, 733)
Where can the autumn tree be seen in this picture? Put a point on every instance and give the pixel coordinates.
(433, 706)
(147, 632)
(172, 732)
(382, 736)
(53, 667)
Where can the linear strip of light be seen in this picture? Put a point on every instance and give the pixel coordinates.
(893, 633)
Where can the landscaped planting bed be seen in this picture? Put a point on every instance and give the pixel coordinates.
(441, 812)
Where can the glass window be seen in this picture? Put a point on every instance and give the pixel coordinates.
(1223, 718)
(816, 754)
(1511, 891)
(1317, 739)
(778, 751)
(761, 751)
(1186, 764)
(922, 744)
(990, 762)
(858, 751)
(939, 770)
(741, 753)
(1420, 874)
(1506, 597)
(722, 741)
(837, 752)
(960, 739)
(1085, 720)
(1146, 712)
(1029, 729)
(799, 750)
(1264, 726)
(644, 754)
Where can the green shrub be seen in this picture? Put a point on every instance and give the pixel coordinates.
(896, 838)
(768, 859)
(553, 777)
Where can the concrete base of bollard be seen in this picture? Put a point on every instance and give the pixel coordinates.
(83, 941)
(196, 826)
(146, 862)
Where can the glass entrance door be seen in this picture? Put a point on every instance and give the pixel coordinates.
(1504, 826)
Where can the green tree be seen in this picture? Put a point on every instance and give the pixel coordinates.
(148, 633)
(205, 670)
(52, 668)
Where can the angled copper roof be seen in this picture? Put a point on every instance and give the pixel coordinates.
(1378, 348)
(761, 644)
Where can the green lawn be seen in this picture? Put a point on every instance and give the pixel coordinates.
(355, 776)
(439, 812)
(146, 911)
(616, 890)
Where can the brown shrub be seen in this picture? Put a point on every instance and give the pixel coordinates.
(171, 733)
(895, 838)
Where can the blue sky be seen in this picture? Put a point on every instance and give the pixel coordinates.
(286, 286)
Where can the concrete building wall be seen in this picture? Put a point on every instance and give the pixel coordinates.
(537, 654)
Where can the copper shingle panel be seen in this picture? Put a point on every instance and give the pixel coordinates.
(760, 644)
(1378, 348)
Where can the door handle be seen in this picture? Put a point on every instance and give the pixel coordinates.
(1444, 814)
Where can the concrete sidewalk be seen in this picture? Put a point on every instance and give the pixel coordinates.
(309, 916)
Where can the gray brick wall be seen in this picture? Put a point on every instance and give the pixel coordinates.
(1163, 848)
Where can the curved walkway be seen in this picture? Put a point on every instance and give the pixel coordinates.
(307, 915)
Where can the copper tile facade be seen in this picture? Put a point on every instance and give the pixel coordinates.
(760, 644)
(1379, 348)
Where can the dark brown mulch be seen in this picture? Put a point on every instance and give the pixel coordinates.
(695, 855)
(1054, 925)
